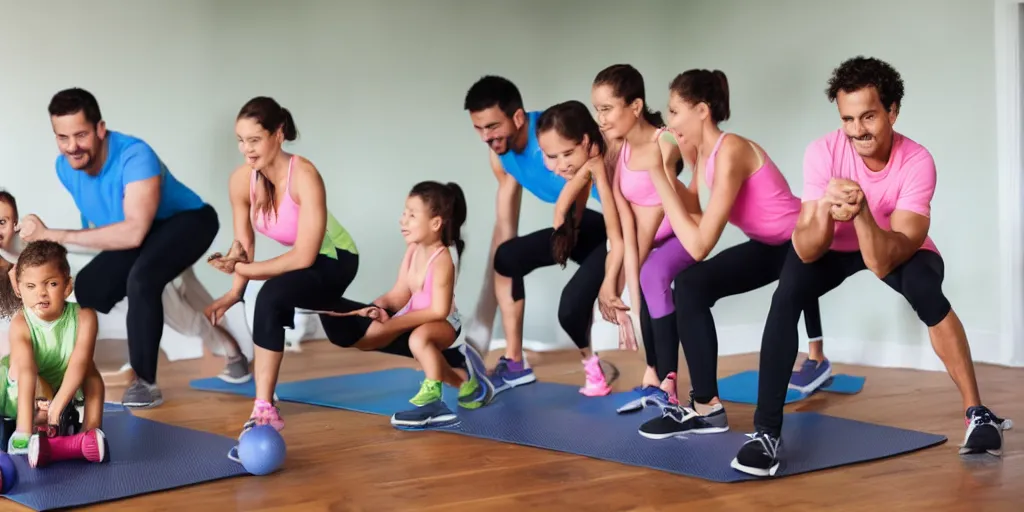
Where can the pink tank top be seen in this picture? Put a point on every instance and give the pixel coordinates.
(282, 225)
(423, 298)
(638, 189)
(765, 209)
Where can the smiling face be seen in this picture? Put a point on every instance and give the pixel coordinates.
(44, 289)
(866, 122)
(7, 221)
(496, 129)
(79, 140)
(561, 155)
(685, 120)
(614, 116)
(418, 224)
(257, 145)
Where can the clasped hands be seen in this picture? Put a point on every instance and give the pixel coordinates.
(226, 263)
(844, 198)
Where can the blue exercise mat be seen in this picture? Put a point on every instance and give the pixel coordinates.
(145, 456)
(557, 417)
(742, 387)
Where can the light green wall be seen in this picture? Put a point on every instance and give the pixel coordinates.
(376, 89)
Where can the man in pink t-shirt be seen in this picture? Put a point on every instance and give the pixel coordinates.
(866, 205)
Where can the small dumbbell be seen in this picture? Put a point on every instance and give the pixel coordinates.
(90, 446)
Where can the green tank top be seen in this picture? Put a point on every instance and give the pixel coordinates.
(336, 238)
(53, 342)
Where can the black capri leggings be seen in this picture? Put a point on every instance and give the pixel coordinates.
(738, 269)
(919, 280)
(319, 286)
(519, 256)
(345, 331)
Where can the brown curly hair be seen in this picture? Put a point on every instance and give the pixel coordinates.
(36, 254)
(860, 72)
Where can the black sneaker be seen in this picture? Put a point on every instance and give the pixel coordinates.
(677, 420)
(759, 456)
(984, 432)
(716, 417)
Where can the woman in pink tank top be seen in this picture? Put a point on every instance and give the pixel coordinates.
(747, 190)
(283, 197)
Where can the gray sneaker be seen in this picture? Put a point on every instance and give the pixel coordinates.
(236, 371)
(142, 395)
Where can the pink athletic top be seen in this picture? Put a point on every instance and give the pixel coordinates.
(423, 298)
(283, 227)
(637, 188)
(765, 209)
(906, 183)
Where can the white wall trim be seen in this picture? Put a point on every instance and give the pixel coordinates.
(1011, 194)
(746, 339)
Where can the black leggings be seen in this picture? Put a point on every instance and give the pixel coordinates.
(738, 269)
(519, 256)
(345, 331)
(172, 245)
(319, 286)
(919, 280)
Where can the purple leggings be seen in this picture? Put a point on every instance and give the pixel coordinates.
(664, 262)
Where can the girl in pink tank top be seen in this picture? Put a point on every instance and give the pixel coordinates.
(747, 190)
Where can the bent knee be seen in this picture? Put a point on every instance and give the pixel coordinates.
(141, 283)
(925, 296)
(506, 260)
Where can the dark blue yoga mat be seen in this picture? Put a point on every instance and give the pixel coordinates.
(742, 387)
(145, 456)
(557, 417)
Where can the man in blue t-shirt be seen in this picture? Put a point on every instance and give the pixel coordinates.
(495, 107)
(148, 226)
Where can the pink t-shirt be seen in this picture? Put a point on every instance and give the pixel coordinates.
(906, 183)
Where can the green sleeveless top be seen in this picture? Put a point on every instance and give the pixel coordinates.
(53, 342)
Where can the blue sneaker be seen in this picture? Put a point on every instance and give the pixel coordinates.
(811, 376)
(650, 396)
(431, 415)
(509, 374)
(478, 391)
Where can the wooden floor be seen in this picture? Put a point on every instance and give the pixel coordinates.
(341, 460)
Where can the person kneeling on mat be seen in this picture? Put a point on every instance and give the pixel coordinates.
(428, 322)
(52, 340)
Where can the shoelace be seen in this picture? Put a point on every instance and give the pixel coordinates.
(769, 444)
(678, 413)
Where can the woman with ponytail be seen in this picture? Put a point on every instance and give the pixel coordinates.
(749, 191)
(282, 196)
(637, 228)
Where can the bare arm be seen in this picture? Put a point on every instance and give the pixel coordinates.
(509, 199)
(141, 199)
(441, 294)
(311, 196)
(395, 298)
(885, 249)
(23, 361)
(814, 230)
(699, 239)
(631, 250)
(238, 190)
(81, 360)
(570, 195)
(612, 225)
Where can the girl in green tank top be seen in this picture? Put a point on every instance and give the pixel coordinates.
(52, 346)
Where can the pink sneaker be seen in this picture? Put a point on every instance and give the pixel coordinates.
(596, 384)
(670, 380)
(264, 413)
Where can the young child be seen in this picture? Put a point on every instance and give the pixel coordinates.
(52, 340)
(417, 317)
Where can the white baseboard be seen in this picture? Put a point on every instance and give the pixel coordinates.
(746, 339)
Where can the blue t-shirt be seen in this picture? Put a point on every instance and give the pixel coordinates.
(100, 198)
(529, 170)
